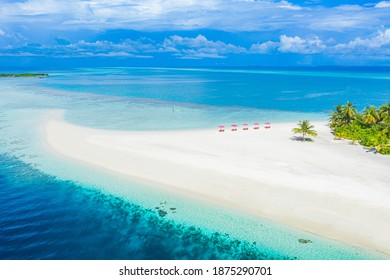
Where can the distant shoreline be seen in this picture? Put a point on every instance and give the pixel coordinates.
(24, 75)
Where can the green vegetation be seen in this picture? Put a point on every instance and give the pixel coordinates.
(24, 75)
(371, 127)
(305, 128)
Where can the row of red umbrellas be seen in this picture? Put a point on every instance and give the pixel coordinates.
(245, 124)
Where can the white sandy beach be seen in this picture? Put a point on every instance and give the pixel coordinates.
(326, 187)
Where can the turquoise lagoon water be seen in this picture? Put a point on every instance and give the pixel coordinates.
(52, 208)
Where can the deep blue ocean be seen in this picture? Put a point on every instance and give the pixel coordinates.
(48, 212)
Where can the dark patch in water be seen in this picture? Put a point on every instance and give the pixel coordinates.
(162, 213)
(304, 241)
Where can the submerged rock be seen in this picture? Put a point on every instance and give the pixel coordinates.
(305, 241)
(162, 213)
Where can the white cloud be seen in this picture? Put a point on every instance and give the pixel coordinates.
(157, 15)
(201, 41)
(282, 26)
(103, 14)
(340, 22)
(274, 25)
(287, 5)
(298, 45)
(350, 8)
(374, 46)
(293, 44)
(36, 7)
(127, 47)
(198, 47)
(383, 4)
(380, 43)
(382, 39)
(183, 47)
(263, 47)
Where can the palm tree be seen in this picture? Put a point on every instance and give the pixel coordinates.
(385, 112)
(305, 128)
(370, 115)
(385, 128)
(336, 117)
(349, 113)
(384, 123)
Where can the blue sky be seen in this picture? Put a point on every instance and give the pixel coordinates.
(194, 32)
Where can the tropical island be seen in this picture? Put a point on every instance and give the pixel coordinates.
(24, 75)
(263, 172)
(370, 128)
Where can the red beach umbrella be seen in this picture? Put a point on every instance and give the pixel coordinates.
(234, 125)
(221, 126)
(245, 126)
(267, 123)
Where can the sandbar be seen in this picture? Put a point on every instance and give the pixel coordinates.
(327, 187)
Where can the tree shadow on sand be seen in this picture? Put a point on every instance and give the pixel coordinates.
(301, 139)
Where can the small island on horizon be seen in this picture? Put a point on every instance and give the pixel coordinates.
(24, 75)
